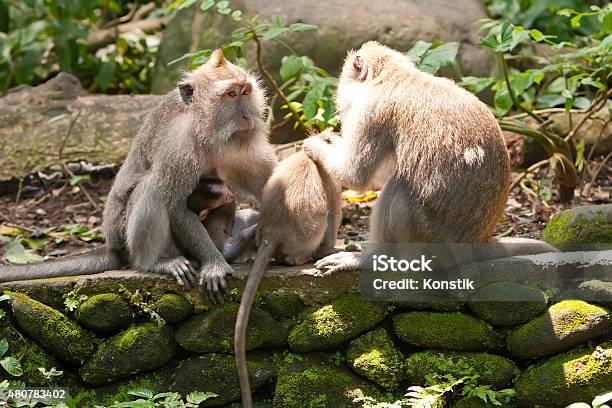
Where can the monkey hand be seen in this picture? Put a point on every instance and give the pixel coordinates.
(315, 148)
(212, 280)
(341, 261)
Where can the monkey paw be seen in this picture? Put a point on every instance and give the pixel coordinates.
(212, 281)
(313, 147)
(181, 269)
(341, 261)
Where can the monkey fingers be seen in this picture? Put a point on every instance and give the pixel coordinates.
(203, 214)
(341, 261)
(212, 285)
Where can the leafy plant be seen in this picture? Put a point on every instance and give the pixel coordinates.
(149, 399)
(309, 101)
(72, 300)
(141, 301)
(10, 364)
(430, 57)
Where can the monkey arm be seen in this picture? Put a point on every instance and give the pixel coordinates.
(250, 174)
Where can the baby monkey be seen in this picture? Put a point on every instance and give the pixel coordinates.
(299, 218)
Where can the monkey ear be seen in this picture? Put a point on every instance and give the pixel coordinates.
(186, 91)
(361, 68)
(217, 58)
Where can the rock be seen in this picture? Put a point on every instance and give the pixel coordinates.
(304, 383)
(102, 133)
(377, 358)
(217, 373)
(496, 371)
(31, 356)
(173, 308)
(578, 375)
(213, 332)
(592, 131)
(398, 25)
(52, 330)
(430, 300)
(508, 303)
(565, 325)
(593, 291)
(331, 325)
(589, 224)
(140, 348)
(282, 304)
(446, 331)
(105, 313)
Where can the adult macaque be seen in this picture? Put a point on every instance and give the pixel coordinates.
(450, 179)
(299, 218)
(213, 123)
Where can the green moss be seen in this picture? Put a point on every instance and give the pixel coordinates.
(331, 325)
(105, 313)
(173, 308)
(281, 304)
(446, 331)
(508, 303)
(578, 375)
(496, 371)
(580, 225)
(314, 386)
(375, 356)
(217, 373)
(565, 325)
(54, 331)
(140, 348)
(475, 402)
(213, 332)
(30, 355)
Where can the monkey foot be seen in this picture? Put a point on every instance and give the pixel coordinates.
(179, 268)
(341, 261)
(212, 281)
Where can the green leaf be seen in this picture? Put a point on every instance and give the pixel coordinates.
(435, 58)
(303, 27)
(566, 12)
(519, 36)
(105, 74)
(606, 23)
(602, 398)
(579, 405)
(4, 346)
(418, 50)
(290, 67)
(236, 15)
(12, 366)
(5, 18)
(274, 32)
(78, 178)
(593, 82)
(502, 101)
(141, 392)
(16, 253)
(207, 4)
(4, 298)
(181, 4)
(199, 397)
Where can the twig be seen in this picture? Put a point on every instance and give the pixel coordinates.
(68, 132)
(511, 91)
(123, 19)
(596, 173)
(82, 187)
(277, 90)
(506, 232)
(597, 104)
(590, 155)
(543, 112)
(100, 38)
(20, 227)
(529, 170)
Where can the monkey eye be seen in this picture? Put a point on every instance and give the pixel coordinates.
(245, 92)
(232, 93)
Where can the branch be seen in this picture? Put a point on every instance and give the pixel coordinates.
(100, 38)
(529, 170)
(511, 91)
(597, 104)
(277, 90)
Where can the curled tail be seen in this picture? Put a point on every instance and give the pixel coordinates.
(97, 261)
(264, 253)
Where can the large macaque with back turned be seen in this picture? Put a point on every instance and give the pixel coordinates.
(450, 171)
(212, 124)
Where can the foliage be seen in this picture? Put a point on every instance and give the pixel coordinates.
(72, 300)
(38, 38)
(148, 399)
(10, 364)
(142, 301)
(430, 57)
(600, 401)
(309, 101)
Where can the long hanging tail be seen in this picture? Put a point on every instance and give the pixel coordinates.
(264, 253)
(503, 247)
(96, 261)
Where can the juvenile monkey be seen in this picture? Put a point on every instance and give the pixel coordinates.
(299, 218)
(213, 123)
(450, 168)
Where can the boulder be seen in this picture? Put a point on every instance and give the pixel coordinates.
(508, 303)
(377, 358)
(343, 25)
(446, 331)
(217, 373)
(331, 325)
(140, 348)
(282, 304)
(592, 291)
(580, 226)
(496, 371)
(105, 313)
(213, 332)
(305, 383)
(578, 375)
(173, 308)
(51, 329)
(565, 325)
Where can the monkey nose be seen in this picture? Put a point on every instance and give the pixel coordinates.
(247, 121)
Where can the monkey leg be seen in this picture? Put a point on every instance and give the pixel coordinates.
(148, 236)
(327, 247)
